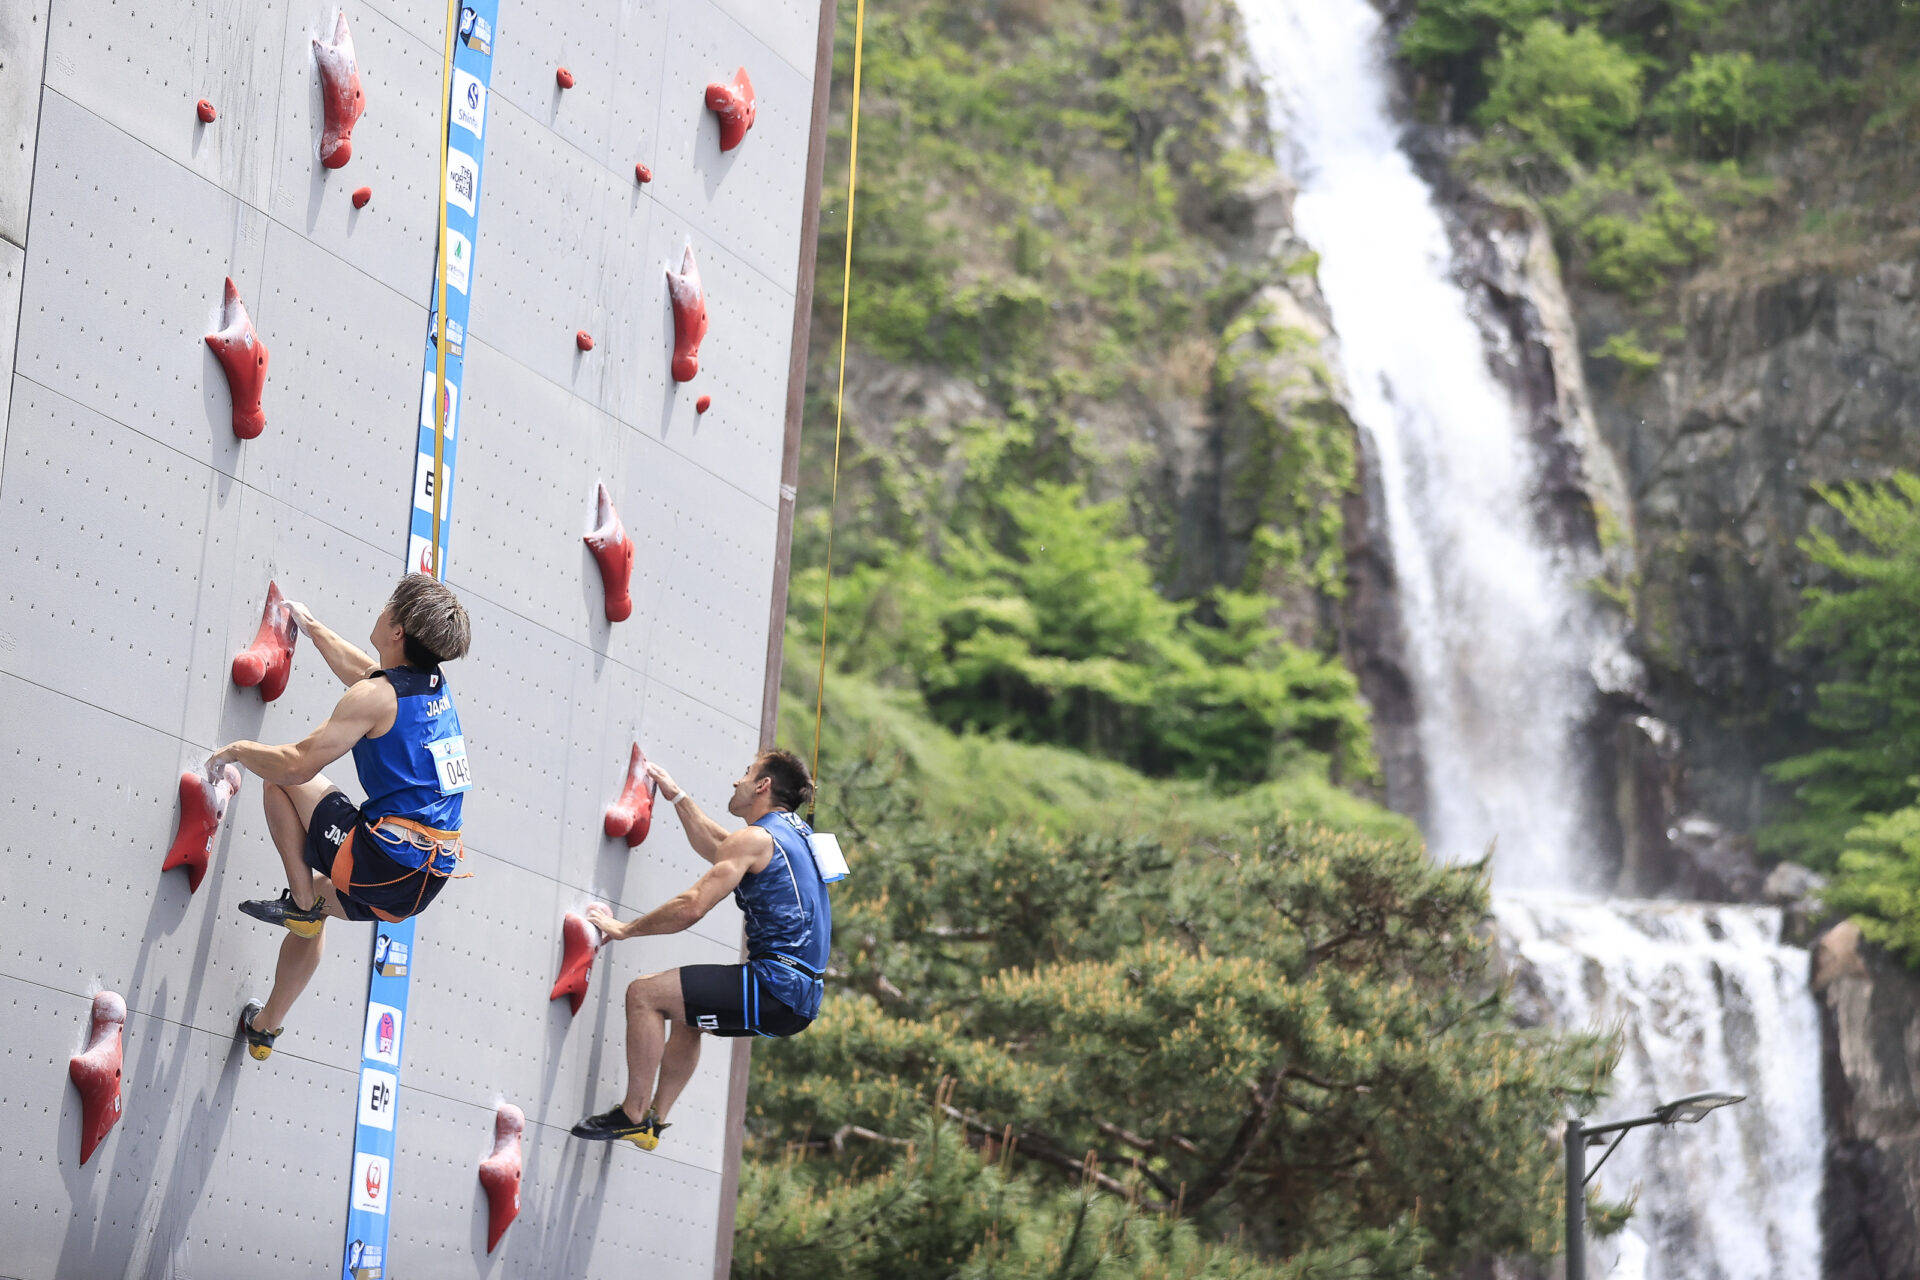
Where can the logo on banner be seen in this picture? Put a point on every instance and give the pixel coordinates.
(459, 263)
(379, 1093)
(463, 179)
(420, 555)
(475, 31)
(389, 956)
(423, 497)
(369, 1183)
(426, 404)
(364, 1261)
(469, 102)
(383, 1033)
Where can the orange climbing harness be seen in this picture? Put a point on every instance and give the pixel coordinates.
(840, 392)
(431, 841)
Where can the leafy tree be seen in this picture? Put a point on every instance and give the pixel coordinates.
(1633, 228)
(1573, 92)
(1871, 708)
(1725, 101)
(1878, 881)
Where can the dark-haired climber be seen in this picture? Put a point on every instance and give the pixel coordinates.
(769, 868)
(389, 858)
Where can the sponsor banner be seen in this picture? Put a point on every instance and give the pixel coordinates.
(383, 1047)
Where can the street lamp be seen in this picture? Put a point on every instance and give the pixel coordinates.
(1688, 1110)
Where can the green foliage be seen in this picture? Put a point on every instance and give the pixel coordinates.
(1572, 92)
(1062, 637)
(1625, 347)
(1725, 101)
(1634, 229)
(1878, 881)
(1289, 1031)
(1871, 709)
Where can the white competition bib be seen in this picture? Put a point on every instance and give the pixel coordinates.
(450, 762)
(827, 856)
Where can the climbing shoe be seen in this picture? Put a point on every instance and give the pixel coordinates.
(615, 1126)
(302, 922)
(259, 1043)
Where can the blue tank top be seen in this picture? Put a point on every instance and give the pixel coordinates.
(401, 770)
(788, 915)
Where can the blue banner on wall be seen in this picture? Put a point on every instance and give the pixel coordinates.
(383, 1039)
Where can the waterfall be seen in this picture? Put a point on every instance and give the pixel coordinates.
(1499, 646)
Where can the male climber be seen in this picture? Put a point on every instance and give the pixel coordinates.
(386, 859)
(768, 866)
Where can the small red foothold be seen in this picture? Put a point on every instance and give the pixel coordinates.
(268, 661)
(689, 316)
(205, 111)
(583, 340)
(703, 404)
(500, 1172)
(579, 944)
(244, 358)
(631, 816)
(95, 1071)
(203, 805)
(340, 94)
(614, 550)
(563, 78)
(734, 104)
(361, 197)
(642, 174)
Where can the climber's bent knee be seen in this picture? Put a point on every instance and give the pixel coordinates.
(366, 883)
(305, 796)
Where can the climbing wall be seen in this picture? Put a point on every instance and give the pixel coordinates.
(141, 534)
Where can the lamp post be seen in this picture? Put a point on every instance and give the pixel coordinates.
(1687, 1110)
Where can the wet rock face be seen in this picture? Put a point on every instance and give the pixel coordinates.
(1870, 1024)
(1782, 383)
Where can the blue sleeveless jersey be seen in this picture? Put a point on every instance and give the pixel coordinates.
(397, 768)
(788, 915)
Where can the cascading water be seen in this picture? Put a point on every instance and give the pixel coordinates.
(1499, 645)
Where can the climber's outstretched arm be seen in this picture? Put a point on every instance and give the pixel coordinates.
(703, 833)
(368, 707)
(738, 855)
(349, 663)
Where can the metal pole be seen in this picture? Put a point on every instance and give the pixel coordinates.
(1576, 1201)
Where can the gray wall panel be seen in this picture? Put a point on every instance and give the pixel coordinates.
(13, 261)
(23, 48)
(534, 42)
(141, 68)
(126, 270)
(788, 28)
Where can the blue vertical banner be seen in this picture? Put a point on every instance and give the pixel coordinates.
(383, 1038)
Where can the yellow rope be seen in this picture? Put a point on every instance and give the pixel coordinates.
(440, 290)
(840, 392)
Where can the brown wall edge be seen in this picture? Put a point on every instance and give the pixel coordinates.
(742, 1048)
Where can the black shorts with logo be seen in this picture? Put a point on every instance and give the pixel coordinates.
(728, 1000)
(371, 885)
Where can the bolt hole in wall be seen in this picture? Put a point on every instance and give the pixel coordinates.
(1501, 651)
(215, 390)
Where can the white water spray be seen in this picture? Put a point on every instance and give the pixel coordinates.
(1499, 643)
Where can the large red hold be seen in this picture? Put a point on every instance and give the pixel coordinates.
(734, 104)
(95, 1071)
(500, 1172)
(614, 550)
(631, 816)
(579, 944)
(689, 316)
(340, 95)
(268, 661)
(244, 359)
(203, 805)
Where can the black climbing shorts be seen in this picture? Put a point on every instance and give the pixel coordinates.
(371, 885)
(727, 1000)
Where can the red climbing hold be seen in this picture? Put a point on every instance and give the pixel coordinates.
(614, 550)
(361, 197)
(340, 95)
(579, 944)
(734, 104)
(689, 316)
(583, 340)
(96, 1072)
(244, 358)
(203, 805)
(268, 661)
(631, 816)
(563, 78)
(205, 111)
(500, 1172)
(642, 174)
(703, 404)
